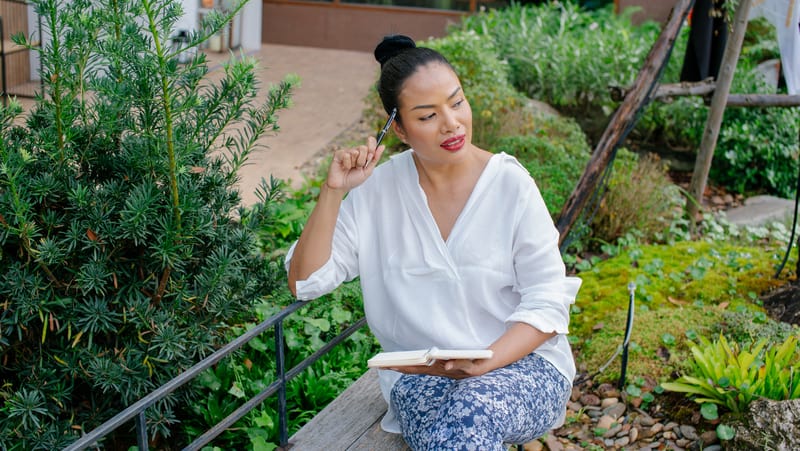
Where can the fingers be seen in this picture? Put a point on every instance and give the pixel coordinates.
(361, 156)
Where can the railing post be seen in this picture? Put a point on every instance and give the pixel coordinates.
(283, 434)
(141, 431)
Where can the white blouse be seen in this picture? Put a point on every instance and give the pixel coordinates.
(500, 264)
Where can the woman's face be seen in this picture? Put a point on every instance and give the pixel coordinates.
(436, 117)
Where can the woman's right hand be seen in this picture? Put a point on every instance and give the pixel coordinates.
(351, 167)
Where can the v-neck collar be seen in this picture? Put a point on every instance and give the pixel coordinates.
(416, 201)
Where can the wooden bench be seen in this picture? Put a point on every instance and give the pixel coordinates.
(351, 422)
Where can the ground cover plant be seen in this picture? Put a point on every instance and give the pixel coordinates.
(126, 257)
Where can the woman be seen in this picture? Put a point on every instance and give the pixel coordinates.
(454, 248)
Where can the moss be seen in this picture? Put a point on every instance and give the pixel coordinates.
(682, 274)
(682, 290)
(657, 346)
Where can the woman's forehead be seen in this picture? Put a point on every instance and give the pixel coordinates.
(434, 79)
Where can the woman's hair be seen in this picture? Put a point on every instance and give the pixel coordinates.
(400, 57)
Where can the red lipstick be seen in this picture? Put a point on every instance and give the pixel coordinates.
(454, 143)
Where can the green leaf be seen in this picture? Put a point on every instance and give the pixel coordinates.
(725, 432)
(709, 411)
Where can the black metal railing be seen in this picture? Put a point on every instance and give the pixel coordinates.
(137, 410)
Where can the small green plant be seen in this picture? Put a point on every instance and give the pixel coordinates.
(732, 376)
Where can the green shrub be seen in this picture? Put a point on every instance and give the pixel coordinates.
(555, 152)
(124, 253)
(640, 197)
(566, 56)
(757, 150)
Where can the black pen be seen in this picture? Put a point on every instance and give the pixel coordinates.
(384, 130)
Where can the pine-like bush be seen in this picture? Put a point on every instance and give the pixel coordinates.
(124, 252)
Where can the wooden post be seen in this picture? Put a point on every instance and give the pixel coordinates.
(622, 119)
(718, 100)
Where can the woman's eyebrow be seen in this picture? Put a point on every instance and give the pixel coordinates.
(455, 93)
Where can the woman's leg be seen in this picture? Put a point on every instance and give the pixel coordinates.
(417, 399)
(514, 404)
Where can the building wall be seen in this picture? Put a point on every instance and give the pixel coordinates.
(351, 27)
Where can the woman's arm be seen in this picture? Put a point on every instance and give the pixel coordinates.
(349, 168)
(313, 247)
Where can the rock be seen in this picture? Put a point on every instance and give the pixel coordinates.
(552, 443)
(615, 411)
(709, 437)
(768, 424)
(590, 399)
(633, 434)
(688, 432)
(606, 422)
(646, 420)
(608, 402)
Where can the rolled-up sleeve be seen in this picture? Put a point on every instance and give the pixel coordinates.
(342, 265)
(546, 293)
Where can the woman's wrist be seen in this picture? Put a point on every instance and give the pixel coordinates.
(338, 191)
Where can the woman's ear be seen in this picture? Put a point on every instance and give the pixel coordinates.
(398, 130)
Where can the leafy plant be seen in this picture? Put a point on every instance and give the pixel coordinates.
(124, 250)
(566, 56)
(237, 379)
(640, 197)
(554, 150)
(733, 376)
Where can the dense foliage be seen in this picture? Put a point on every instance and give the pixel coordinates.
(569, 57)
(124, 252)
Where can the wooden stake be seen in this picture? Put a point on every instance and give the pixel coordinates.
(623, 119)
(718, 100)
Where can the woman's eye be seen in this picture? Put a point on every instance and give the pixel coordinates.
(428, 117)
(458, 104)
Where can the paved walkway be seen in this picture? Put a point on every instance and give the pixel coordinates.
(330, 99)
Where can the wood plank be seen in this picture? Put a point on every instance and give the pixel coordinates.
(344, 421)
(376, 439)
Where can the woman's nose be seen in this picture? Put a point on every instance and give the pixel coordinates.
(449, 122)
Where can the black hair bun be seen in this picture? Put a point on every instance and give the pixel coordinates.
(392, 46)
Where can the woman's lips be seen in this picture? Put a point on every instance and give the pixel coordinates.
(454, 143)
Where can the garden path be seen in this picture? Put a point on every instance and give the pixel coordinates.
(329, 100)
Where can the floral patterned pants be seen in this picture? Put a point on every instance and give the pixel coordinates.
(514, 404)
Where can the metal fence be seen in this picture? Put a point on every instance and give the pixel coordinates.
(137, 410)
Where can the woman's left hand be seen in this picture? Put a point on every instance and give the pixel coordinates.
(454, 369)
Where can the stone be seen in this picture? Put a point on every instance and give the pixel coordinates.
(634, 434)
(590, 399)
(606, 422)
(623, 441)
(616, 410)
(767, 424)
(688, 432)
(608, 402)
(552, 443)
(709, 437)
